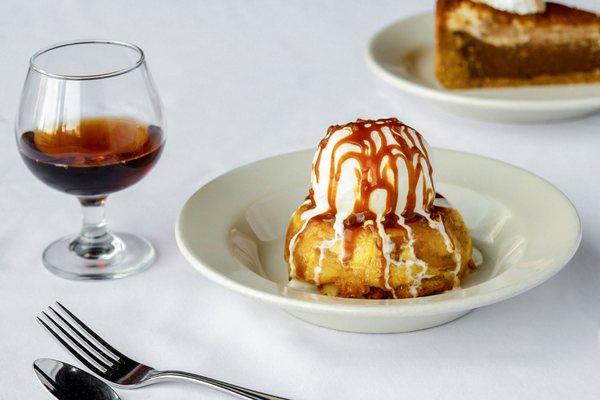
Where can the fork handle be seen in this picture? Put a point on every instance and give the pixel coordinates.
(216, 384)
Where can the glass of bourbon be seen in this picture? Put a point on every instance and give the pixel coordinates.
(89, 124)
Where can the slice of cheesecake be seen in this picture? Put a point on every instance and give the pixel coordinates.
(481, 46)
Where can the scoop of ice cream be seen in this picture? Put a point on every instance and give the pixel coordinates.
(521, 7)
(371, 169)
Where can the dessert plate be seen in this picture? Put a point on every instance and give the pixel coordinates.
(232, 231)
(403, 53)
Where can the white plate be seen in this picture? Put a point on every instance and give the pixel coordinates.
(232, 231)
(403, 53)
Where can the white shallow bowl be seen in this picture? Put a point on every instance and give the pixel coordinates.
(403, 54)
(232, 231)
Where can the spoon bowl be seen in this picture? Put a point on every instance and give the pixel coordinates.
(66, 382)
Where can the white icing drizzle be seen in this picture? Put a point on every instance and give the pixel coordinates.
(323, 247)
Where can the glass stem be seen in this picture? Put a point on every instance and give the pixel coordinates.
(95, 241)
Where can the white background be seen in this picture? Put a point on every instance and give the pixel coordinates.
(243, 80)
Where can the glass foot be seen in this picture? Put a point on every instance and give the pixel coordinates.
(69, 258)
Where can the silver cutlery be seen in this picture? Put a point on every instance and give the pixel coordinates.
(66, 382)
(123, 372)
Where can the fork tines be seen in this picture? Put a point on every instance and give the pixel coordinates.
(79, 339)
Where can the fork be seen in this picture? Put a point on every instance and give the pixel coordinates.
(115, 367)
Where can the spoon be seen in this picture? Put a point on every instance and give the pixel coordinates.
(66, 382)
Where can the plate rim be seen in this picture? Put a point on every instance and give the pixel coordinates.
(396, 307)
(455, 98)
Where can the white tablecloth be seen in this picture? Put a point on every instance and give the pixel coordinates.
(243, 80)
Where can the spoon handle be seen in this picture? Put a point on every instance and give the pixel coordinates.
(216, 384)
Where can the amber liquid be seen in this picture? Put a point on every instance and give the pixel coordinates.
(93, 156)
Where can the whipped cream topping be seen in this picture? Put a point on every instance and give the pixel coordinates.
(466, 17)
(521, 7)
(372, 172)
